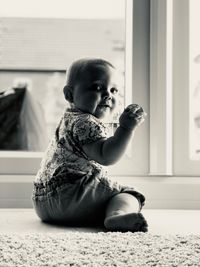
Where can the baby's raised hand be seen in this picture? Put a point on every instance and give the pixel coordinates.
(132, 116)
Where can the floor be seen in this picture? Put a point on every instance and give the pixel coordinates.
(162, 222)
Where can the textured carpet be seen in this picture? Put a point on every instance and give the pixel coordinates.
(99, 249)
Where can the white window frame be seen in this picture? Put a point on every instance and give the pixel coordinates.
(183, 165)
(161, 88)
(169, 94)
(27, 163)
(164, 151)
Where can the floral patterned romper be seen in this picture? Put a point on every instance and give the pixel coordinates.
(71, 188)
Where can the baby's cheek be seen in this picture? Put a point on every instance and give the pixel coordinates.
(113, 109)
(114, 104)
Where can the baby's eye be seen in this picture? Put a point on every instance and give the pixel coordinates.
(114, 90)
(97, 87)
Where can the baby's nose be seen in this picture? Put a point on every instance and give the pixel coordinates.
(106, 94)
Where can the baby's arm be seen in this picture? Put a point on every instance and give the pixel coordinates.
(108, 151)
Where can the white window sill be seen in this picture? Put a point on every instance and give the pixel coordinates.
(161, 192)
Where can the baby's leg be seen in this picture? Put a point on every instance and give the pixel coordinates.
(122, 214)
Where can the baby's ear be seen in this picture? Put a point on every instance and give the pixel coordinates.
(67, 90)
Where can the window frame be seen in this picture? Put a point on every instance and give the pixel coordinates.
(183, 165)
(27, 162)
(165, 142)
(161, 88)
(169, 75)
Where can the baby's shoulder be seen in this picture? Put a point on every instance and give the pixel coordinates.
(74, 116)
(88, 121)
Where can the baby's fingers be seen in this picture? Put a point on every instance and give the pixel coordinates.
(132, 108)
(137, 116)
(135, 109)
(139, 120)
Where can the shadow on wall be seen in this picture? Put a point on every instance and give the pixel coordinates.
(22, 123)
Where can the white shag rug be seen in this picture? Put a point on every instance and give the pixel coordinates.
(99, 249)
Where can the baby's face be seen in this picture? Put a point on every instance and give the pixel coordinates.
(97, 91)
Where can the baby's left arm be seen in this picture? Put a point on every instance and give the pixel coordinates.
(109, 151)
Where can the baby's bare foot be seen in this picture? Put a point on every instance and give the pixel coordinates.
(134, 222)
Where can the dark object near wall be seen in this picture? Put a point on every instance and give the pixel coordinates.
(22, 121)
(11, 133)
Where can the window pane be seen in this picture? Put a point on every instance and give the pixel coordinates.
(36, 50)
(194, 80)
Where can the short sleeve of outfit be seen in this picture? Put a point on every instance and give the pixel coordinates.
(88, 129)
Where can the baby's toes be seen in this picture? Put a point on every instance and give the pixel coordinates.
(144, 227)
(143, 223)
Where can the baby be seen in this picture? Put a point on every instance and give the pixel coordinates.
(71, 186)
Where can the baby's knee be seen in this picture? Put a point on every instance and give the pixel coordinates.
(122, 203)
(125, 200)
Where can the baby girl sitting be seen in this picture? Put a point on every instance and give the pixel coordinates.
(71, 186)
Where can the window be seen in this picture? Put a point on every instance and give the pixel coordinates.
(38, 70)
(46, 49)
(174, 104)
(168, 143)
(186, 88)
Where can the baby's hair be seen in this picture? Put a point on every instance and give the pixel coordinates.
(78, 67)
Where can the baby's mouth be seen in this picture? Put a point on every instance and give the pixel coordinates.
(104, 105)
(104, 108)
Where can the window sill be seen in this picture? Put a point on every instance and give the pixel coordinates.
(161, 192)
